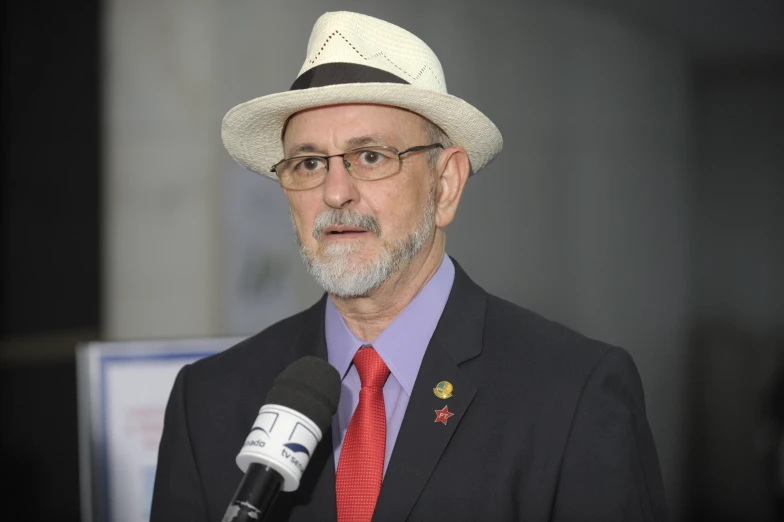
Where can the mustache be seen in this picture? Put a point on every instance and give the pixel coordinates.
(346, 218)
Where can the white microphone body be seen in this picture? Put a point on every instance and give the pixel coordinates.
(284, 440)
(296, 412)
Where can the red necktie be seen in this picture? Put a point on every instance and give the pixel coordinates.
(361, 465)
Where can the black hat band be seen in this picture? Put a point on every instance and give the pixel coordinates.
(337, 73)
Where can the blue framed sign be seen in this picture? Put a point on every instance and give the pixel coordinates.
(123, 390)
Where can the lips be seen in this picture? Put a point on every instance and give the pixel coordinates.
(343, 231)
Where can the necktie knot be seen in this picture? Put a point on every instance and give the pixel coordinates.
(373, 373)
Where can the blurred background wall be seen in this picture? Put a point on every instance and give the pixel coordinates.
(638, 200)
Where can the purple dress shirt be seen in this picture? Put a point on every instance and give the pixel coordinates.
(401, 345)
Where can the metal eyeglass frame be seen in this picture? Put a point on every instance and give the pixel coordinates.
(346, 164)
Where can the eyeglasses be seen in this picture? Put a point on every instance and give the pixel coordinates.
(366, 163)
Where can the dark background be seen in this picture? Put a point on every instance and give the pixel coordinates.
(51, 246)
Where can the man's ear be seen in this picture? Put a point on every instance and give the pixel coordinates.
(452, 173)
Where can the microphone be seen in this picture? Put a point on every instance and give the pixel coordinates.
(296, 412)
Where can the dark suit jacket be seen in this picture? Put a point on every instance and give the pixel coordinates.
(548, 426)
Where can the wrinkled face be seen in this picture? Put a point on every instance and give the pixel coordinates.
(354, 234)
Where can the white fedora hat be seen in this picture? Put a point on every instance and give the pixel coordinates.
(354, 58)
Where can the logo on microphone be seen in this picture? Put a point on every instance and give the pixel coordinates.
(297, 448)
(265, 423)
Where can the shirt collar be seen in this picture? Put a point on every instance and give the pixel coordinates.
(403, 343)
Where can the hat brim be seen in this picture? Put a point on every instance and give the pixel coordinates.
(251, 131)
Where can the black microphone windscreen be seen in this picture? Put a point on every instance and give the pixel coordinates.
(310, 386)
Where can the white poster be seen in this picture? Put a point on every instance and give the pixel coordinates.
(123, 391)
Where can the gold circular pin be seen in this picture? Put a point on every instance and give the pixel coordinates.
(443, 390)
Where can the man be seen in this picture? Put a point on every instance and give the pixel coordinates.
(480, 409)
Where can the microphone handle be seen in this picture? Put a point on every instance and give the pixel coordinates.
(255, 495)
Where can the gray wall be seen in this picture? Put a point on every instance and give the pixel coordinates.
(738, 274)
(583, 217)
(739, 210)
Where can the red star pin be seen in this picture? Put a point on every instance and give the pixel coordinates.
(443, 415)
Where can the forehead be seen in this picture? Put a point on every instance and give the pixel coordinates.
(336, 123)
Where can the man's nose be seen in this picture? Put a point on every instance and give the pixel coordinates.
(340, 189)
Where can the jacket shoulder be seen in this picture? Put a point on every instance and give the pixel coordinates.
(547, 347)
(263, 352)
(514, 321)
(551, 364)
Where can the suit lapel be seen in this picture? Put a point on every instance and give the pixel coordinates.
(269, 361)
(422, 440)
(315, 497)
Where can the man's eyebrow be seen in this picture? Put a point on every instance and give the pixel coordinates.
(304, 148)
(364, 141)
(352, 143)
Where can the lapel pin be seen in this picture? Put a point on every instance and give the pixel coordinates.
(443, 415)
(443, 390)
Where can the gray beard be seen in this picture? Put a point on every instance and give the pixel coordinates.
(341, 277)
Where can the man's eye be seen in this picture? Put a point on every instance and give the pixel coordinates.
(371, 157)
(309, 165)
